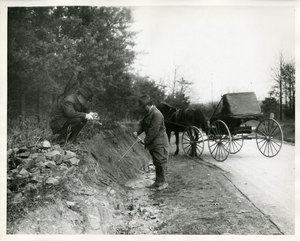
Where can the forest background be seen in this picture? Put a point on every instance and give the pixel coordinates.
(54, 50)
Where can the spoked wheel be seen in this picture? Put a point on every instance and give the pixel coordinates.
(269, 137)
(237, 142)
(192, 141)
(219, 140)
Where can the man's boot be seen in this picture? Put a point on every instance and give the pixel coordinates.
(163, 184)
(157, 178)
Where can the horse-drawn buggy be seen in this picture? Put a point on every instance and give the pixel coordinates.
(227, 128)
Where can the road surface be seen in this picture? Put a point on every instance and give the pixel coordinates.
(247, 194)
(269, 183)
(241, 196)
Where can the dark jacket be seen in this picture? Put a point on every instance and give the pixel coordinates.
(68, 108)
(154, 127)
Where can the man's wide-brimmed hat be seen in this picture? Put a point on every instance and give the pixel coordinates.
(145, 100)
(86, 92)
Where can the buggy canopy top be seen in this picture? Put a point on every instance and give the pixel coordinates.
(241, 104)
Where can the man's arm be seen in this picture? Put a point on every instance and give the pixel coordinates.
(70, 112)
(139, 129)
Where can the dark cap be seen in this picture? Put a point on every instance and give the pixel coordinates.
(145, 100)
(86, 92)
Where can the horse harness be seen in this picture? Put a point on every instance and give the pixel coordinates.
(171, 116)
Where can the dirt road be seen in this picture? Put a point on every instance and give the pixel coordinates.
(268, 182)
(246, 197)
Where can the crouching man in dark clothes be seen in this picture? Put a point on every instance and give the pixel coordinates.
(156, 140)
(71, 114)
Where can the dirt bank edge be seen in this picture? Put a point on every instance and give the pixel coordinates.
(91, 198)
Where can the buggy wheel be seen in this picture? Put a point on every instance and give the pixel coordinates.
(219, 140)
(192, 141)
(269, 137)
(237, 143)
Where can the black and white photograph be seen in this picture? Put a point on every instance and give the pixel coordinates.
(151, 118)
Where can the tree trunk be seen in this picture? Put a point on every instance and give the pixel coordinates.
(280, 91)
(22, 102)
(174, 82)
(53, 99)
(290, 98)
(280, 99)
(38, 103)
(293, 105)
(286, 94)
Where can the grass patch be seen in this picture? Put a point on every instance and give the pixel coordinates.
(27, 132)
(288, 129)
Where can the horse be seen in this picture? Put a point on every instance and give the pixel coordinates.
(177, 120)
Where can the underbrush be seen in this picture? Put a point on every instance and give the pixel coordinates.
(27, 132)
(287, 126)
(29, 190)
(37, 179)
(30, 131)
(288, 129)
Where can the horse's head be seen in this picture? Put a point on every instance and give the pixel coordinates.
(166, 109)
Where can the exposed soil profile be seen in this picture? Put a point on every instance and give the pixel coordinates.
(105, 195)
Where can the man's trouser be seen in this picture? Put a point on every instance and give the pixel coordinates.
(71, 129)
(160, 158)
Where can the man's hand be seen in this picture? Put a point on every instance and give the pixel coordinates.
(89, 116)
(136, 136)
(141, 141)
(94, 115)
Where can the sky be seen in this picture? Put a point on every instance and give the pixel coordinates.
(220, 49)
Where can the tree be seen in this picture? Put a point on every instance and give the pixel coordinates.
(49, 46)
(146, 86)
(178, 97)
(284, 89)
(26, 48)
(270, 105)
(143, 85)
(178, 100)
(288, 76)
(184, 86)
(179, 87)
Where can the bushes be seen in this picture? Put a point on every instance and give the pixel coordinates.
(27, 131)
(207, 109)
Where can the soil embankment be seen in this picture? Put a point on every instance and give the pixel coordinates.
(105, 196)
(84, 198)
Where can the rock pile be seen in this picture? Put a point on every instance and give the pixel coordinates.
(33, 167)
(142, 217)
(74, 189)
